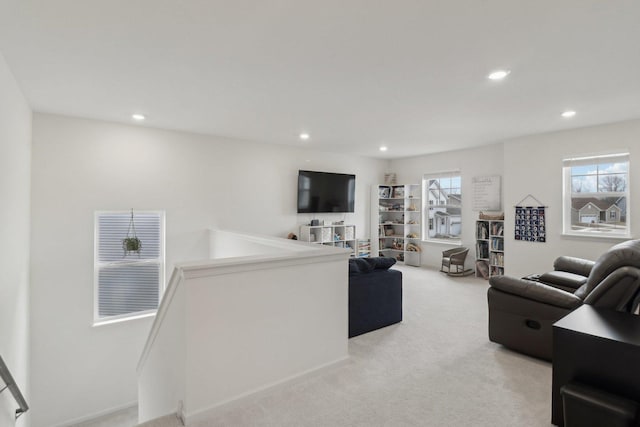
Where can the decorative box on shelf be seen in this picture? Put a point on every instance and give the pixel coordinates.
(327, 234)
(349, 232)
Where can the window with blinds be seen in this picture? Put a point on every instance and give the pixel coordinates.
(128, 284)
(596, 195)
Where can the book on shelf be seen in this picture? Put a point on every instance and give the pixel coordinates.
(497, 244)
(497, 229)
(364, 248)
(482, 231)
(482, 250)
(497, 271)
(497, 259)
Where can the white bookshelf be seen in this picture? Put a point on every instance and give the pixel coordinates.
(396, 215)
(338, 235)
(490, 246)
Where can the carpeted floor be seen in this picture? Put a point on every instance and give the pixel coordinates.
(436, 368)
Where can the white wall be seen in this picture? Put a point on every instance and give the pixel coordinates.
(473, 162)
(80, 166)
(533, 165)
(529, 165)
(15, 169)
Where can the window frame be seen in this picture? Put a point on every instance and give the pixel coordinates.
(426, 220)
(97, 265)
(567, 194)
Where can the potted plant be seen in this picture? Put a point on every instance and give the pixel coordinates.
(131, 243)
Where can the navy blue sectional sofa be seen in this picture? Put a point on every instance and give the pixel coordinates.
(375, 294)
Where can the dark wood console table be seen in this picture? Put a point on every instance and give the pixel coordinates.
(597, 347)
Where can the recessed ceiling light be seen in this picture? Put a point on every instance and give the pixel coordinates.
(138, 117)
(304, 136)
(568, 114)
(383, 148)
(498, 74)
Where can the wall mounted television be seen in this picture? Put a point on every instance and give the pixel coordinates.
(321, 192)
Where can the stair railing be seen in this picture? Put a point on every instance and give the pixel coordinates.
(10, 384)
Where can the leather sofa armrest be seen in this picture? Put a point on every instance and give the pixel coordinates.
(563, 279)
(616, 290)
(573, 265)
(535, 291)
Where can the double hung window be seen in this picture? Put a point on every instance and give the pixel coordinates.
(127, 283)
(596, 196)
(442, 207)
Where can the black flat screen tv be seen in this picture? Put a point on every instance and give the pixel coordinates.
(320, 192)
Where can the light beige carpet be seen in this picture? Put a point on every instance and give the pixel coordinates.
(436, 368)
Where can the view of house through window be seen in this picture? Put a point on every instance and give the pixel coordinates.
(129, 276)
(442, 206)
(596, 195)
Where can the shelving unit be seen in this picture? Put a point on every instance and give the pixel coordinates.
(364, 248)
(338, 235)
(490, 247)
(396, 218)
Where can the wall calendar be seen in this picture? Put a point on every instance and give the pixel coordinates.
(530, 224)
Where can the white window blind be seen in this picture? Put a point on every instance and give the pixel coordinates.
(128, 284)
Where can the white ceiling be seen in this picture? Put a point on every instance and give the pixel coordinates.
(354, 74)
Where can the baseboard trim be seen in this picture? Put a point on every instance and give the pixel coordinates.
(96, 416)
(250, 396)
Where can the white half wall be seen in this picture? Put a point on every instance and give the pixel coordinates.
(233, 327)
(80, 166)
(15, 174)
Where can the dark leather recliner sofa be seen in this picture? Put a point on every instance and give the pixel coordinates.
(522, 311)
(375, 294)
